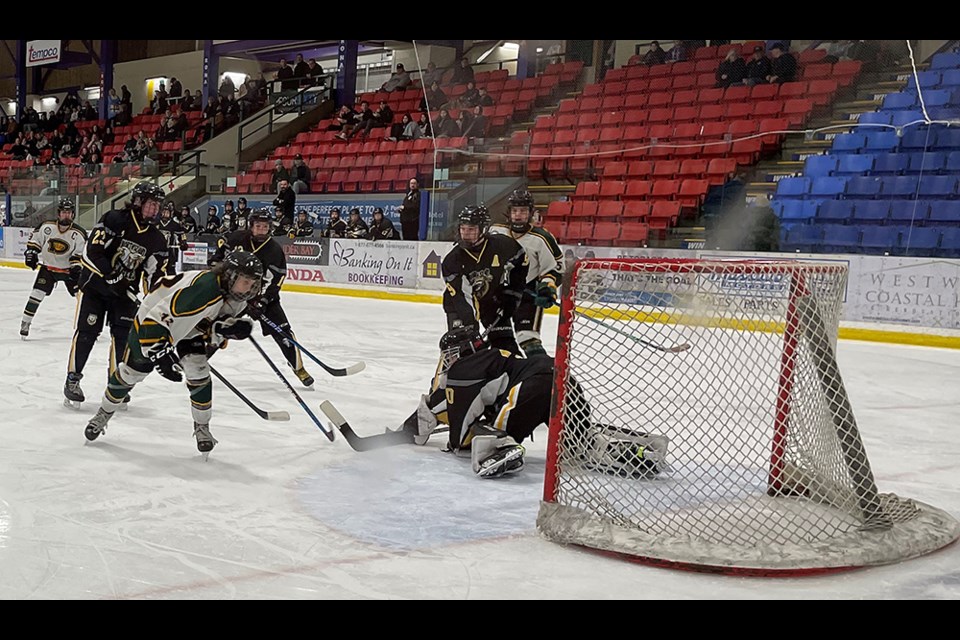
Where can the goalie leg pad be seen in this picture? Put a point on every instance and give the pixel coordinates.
(625, 453)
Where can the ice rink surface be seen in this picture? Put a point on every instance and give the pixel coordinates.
(279, 512)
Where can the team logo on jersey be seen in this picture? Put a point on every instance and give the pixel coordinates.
(92, 319)
(57, 247)
(129, 255)
(480, 282)
(46, 231)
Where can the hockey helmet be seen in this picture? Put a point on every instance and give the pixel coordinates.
(143, 193)
(520, 198)
(473, 216)
(457, 343)
(260, 215)
(236, 264)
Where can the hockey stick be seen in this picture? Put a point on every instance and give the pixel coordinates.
(339, 373)
(677, 348)
(266, 415)
(316, 421)
(368, 443)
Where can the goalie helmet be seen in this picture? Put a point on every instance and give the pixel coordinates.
(458, 343)
(520, 198)
(236, 264)
(473, 216)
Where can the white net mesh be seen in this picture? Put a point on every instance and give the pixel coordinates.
(702, 419)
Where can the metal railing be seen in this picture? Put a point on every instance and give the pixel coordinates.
(284, 103)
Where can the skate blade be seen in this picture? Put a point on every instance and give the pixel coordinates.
(124, 407)
(23, 337)
(72, 404)
(205, 456)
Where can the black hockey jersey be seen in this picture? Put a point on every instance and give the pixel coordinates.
(383, 231)
(481, 281)
(335, 229)
(269, 252)
(120, 244)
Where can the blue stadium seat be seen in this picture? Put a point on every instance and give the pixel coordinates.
(951, 78)
(872, 211)
(899, 186)
(948, 112)
(835, 211)
(840, 238)
(945, 212)
(953, 162)
(795, 210)
(918, 138)
(938, 187)
(875, 117)
(928, 80)
(815, 166)
(879, 239)
(926, 162)
(855, 164)
(881, 141)
(908, 211)
(950, 243)
(945, 60)
(800, 237)
(863, 187)
(905, 117)
(938, 97)
(793, 187)
(948, 139)
(849, 142)
(890, 163)
(828, 186)
(914, 240)
(893, 101)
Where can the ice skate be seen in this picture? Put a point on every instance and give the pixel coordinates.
(24, 330)
(72, 393)
(205, 441)
(97, 425)
(494, 457)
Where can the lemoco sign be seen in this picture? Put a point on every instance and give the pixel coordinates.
(42, 52)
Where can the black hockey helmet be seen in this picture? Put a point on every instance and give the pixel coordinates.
(228, 202)
(473, 216)
(260, 215)
(520, 198)
(236, 264)
(378, 210)
(65, 204)
(143, 192)
(457, 343)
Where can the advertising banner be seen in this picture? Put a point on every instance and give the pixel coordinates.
(377, 264)
(43, 52)
(922, 292)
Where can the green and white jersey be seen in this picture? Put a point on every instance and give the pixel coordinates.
(182, 307)
(546, 258)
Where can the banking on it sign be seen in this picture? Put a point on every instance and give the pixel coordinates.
(42, 52)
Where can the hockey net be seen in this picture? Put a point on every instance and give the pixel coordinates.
(700, 421)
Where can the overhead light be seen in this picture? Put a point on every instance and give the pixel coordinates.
(539, 49)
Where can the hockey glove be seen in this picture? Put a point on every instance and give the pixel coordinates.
(73, 283)
(546, 295)
(233, 328)
(117, 276)
(31, 259)
(165, 361)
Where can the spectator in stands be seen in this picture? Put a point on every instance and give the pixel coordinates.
(230, 110)
(382, 117)
(731, 70)
(477, 127)
(303, 228)
(285, 202)
(71, 101)
(445, 126)
(124, 117)
(285, 73)
(314, 72)
(469, 98)
(227, 88)
(125, 97)
(356, 227)
(336, 228)
(19, 150)
(485, 99)
(400, 79)
(280, 173)
(87, 113)
(403, 130)
(424, 127)
(430, 75)
(359, 123)
(300, 175)
(380, 227)
(464, 117)
(463, 73)
(345, 118)
(113, 104)
(250, 100)
(299, 68)
(409, 211)
(433, 98)
(758, 68)
(176, 88)
(159, 102)
(783, 68)
(655, 55)
(212, 118)
(679, 52)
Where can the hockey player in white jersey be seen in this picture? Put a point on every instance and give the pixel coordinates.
(183, 319)
(56, 246)
(544, 273)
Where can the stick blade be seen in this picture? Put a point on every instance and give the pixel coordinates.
(278, 416)
(332, 414)
(355, 368)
